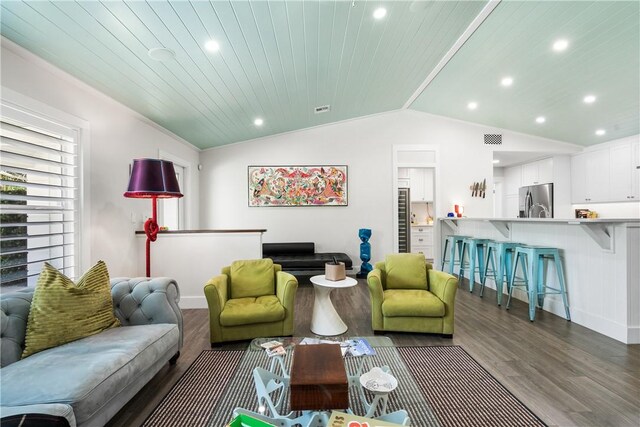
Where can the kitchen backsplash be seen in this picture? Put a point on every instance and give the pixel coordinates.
(420, 211)
(613, 210)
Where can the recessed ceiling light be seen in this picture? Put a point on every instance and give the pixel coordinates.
(258, 122)
(600, 132)
(472, 105)
(212, 46)
(380, 13)
(560, 45)
(589, 99)
(496, 161)
(507, 81)
(540, 119)
(161, 54)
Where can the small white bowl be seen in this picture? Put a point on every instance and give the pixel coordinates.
(378, 381)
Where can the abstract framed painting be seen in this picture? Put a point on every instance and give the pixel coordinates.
(298, 185)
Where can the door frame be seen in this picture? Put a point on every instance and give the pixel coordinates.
(187, 190)
(413, 164)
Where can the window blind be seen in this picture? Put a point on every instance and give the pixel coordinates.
(38, 200)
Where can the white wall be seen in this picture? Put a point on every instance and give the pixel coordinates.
(117, 135)
(365, 145)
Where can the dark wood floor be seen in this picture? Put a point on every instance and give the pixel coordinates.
(566, 374)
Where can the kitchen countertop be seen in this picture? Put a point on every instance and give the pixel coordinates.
(549, 220)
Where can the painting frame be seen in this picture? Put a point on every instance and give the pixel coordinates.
(312, 185)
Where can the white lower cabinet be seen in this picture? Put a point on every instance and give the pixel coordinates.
(422, 240)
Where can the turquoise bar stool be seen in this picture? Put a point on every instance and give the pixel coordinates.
(532, 259)
(498, 265)
(473, 249)
(452, 243)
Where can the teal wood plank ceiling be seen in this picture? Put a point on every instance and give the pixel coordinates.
(279, 59)
(602, 59)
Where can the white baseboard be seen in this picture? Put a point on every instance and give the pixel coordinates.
(187, 302)
(615, 330)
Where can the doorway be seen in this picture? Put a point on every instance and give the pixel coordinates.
(171, 212)
(415, 176)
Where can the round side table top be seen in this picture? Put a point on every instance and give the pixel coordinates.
(322, 281)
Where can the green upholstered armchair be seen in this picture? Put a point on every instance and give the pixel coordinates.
(407, 295)
(250, 299)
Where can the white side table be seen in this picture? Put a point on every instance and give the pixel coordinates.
(325, 319)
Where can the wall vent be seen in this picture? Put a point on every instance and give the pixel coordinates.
(492, 139)
(322, 109)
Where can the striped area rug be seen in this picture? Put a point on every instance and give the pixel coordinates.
(438, 386)
(191, 401)
(463, 393)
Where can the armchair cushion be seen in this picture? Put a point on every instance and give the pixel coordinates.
(411, 303)
(250, 310)
(252, 278)
(406, 271)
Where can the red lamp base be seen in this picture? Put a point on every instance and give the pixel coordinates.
(151, 230)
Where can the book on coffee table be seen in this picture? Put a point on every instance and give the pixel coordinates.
(357, 347)
(341, 419)
(271, 344)
(274, 348)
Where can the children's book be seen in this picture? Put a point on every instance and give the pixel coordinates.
(341, 419)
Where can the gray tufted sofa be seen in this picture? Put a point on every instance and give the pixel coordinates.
(88, 381)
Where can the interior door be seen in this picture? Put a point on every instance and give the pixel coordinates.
(171, 211)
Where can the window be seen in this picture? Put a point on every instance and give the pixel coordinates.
(38, 197)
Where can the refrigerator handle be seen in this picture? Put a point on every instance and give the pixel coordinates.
(528, 204)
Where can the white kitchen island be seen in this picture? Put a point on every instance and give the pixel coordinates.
(601, 263)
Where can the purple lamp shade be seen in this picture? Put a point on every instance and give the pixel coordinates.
(153, 178)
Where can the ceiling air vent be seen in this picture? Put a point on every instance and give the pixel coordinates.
(322, 109)
(492, 139)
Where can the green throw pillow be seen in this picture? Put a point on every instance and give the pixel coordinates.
(406, 271)
(62, 311)
(252, 278)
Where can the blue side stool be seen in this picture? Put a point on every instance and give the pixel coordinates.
(473, 249)
(498, 264)
(451, 244)
(532, 259)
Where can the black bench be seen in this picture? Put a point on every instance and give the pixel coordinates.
(302, 257)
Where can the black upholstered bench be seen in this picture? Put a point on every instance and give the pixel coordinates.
(302, 257)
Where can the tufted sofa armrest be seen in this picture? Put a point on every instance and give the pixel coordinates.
(144, 301)
(14, 313)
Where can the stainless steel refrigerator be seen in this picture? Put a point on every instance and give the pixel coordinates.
(536, 201)
(404, 221)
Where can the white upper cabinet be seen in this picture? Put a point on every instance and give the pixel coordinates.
(421, 184)
(590, 180)
(623, 160)
(607, 174)
(579, 178)
(539, 172)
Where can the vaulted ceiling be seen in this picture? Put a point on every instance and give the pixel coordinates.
(278, 60)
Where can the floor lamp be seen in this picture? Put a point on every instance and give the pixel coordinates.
(152, 179)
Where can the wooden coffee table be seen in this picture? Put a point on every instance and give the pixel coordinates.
(318, 378)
